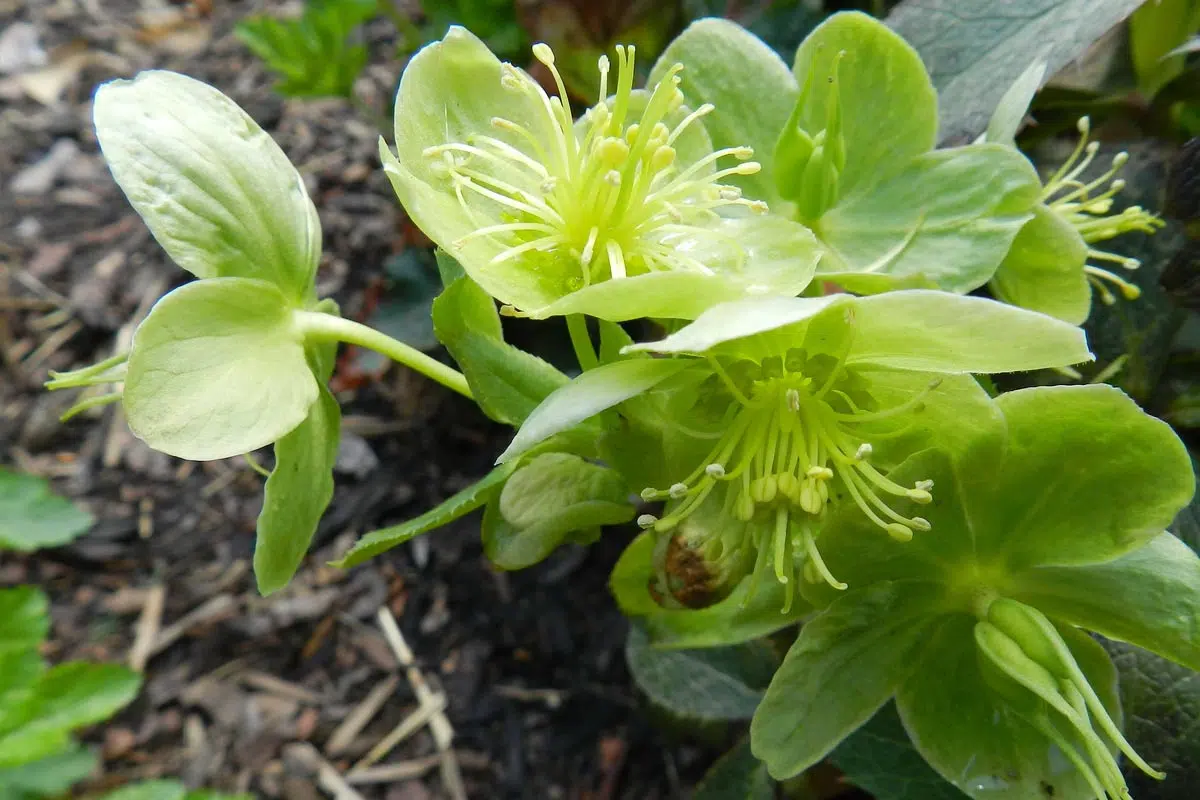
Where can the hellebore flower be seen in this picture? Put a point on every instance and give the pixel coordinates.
(1049, 524)
(622, 214)
(808, 393)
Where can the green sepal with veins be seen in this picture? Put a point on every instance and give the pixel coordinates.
(1053, 266)
(620, 215)
(789, 409)
(1033, 529)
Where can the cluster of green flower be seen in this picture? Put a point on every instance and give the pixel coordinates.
(809, 441)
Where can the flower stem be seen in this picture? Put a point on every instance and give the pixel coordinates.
(581, 341)
(317, 326)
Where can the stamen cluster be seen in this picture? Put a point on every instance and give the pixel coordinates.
(608, 195)
(789, 444)
(1086, 207)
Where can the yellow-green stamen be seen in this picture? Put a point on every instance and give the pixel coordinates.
(610, 193)
(1086, 207)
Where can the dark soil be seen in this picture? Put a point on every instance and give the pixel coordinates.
(531, 663)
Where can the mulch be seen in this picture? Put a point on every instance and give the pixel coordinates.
(282, 696)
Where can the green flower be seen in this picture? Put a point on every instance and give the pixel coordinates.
(1048, 524)
(799, 404)
(555, 216)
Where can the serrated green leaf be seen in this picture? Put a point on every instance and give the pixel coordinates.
(215, 190)
(64, 698)
(741, 617)
(737, 775)
(296, 493)
(749, 84)
(458, 505)
(948, 216)
(507, 382)
(975, 49)
(546, 500)
(880, 758)
(33, 517)
(845, 665)
(1161, 702)
(216, 370)
(587, 395)
(714, 684)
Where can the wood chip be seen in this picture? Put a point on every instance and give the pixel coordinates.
(213, 610)
(361, 716)
(148, 626)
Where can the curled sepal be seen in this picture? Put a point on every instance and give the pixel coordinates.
(1027, 662)
(216, 370)
(215, 190)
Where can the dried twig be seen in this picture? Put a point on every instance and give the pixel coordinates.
(148, 625)
(362, 714)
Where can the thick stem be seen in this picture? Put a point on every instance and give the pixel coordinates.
(581, 340)
(326, 327)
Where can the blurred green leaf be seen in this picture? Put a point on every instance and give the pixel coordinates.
(493, 21)
(32, 517)
(737, 775)
(1156, 30)
(975, 49)
(722, 683)
(312, 54)
(1161, 704)
(880, 758)
(48, 777)
(1187, 524)
(168, 790)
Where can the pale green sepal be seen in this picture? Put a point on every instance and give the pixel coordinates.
(888, 104)
(458, 505)
(1087, 477)
(1149, 597)
(846, 663)
(751, 87)
(939, 332)
(215, 190)
(450, 92)
(740, 617)
(216, 370)
(592, 392)
(1010, 111)
(1043, 270)
(948, 215)
(545, 501)
(748, 256)
(741, 319)
(974, 738)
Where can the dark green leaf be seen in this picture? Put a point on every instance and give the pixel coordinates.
(1187, 524)
(975, 49)
(722, 683)
(32, 517)
(507, 382)
(880, 758)
(460, 504)
(737, 775)
(1161, 702)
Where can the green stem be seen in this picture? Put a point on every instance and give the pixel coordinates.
(326, 327)
(581, 340)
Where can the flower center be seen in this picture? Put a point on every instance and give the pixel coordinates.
(789, 441)
(608, 194)
(1086, 207)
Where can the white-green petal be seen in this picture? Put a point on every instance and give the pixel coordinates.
(215, 190)
(216, 370)
(748, 256)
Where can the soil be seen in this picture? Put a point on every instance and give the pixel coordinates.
(240, 691)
